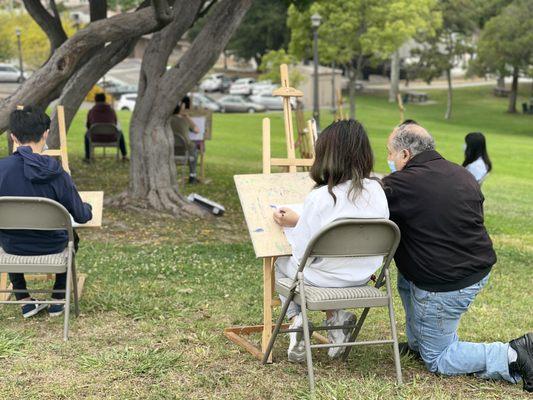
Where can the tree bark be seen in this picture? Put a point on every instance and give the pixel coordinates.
(50, 24)
(448, 114)
(153, 175)
(394, 77)
(66, 60)
(514, 91)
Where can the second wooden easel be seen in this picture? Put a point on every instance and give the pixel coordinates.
(235, 334)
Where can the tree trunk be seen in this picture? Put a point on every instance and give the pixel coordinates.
(514, 92)
(351, 90)
(448, 114)
(394, 77)
(153, 175)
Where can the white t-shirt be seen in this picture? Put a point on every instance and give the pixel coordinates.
(318, 211)
(478, 168)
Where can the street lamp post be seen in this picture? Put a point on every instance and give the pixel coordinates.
(21, 66)
(316, 19)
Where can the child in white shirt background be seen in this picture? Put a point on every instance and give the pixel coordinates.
(344, 189)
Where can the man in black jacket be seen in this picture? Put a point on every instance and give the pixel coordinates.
(28, 173)
(444, 259)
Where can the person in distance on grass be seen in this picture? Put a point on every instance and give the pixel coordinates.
(477, 160)
(28, 173)
(103, 113)
(181, 124)
(444, 260)
(344, 189)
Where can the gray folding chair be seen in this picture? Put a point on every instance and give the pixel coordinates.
(104, 135)
(37, 213)
(343, 238)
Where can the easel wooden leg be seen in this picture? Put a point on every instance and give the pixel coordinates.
(202, 167)
(4, 286)
(268, 265)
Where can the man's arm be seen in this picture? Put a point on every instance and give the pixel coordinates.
(71, 200)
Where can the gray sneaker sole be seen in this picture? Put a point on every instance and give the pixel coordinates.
(336, 352)
(297, 354)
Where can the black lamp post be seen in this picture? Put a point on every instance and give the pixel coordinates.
(17, 31)
(316, 19)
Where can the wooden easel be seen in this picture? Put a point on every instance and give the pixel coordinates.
(62, 153)
(340, 103)
(400, 107)
(306, 133)
(235, 334)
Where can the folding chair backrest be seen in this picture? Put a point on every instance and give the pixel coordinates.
(180, 146)
(34, 213)
(355, 237)
(103, 133)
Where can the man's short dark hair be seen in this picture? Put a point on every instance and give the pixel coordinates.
(99, 97)
(29, 124)
(409, 122)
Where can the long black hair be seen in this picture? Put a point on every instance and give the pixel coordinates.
(343, 153)
(476, 147)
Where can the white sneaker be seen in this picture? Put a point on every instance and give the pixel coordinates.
(296, 351)
(337, 336)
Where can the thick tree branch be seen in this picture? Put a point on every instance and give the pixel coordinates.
(50, 24)
(97, 9)
(162, 11)
(66, 59)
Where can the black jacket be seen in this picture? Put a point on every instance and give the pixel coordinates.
(29, 174)
(438, 206)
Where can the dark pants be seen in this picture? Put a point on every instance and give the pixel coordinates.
(121, 145)
(19, 282)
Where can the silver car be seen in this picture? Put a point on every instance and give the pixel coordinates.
(271, 102)
(240, 104)
(10, 73)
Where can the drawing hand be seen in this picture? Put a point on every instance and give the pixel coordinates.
(286, 217)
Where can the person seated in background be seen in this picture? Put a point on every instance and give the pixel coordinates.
(181, 124)
(27, 173)
(477, 160)
(103, 113)
(343, 189)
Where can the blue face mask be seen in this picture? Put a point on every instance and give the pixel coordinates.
(391, 165)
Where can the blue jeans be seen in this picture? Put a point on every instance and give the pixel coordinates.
(432, 319)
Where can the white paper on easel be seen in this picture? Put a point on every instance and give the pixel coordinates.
(200, 123)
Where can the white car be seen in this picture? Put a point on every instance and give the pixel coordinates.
(10, 73)
(271, 102)
(126, 102)
(242, 86)
(263, 86)
(212, 83)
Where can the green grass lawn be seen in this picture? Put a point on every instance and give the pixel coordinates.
(160, 291)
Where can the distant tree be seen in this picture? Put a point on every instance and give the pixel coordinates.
(271, 62)
(358, 31)
(124, 5)
(505, 45)
(440, 53)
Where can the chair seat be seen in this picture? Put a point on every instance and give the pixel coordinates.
(318, 298)
(49, 263)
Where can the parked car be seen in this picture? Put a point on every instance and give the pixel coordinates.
(116, 87)
(240, 104)
(271, 102)
(10, 73)
(203, 101)
(126, 102)
(242, 86)
(263, 86)
(213, 83)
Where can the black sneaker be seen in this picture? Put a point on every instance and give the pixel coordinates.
(29, 310)
(405, 350)
(193, 180)
(523, 365)
(55, 310)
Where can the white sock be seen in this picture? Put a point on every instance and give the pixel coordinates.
(512, 355)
